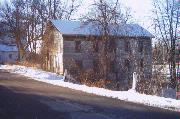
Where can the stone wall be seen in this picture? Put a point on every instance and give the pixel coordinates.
(135, 58)
(85, 56)
(74, 52)
(133, 55)
(53, 50)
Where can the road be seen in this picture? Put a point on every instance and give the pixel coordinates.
(23, 98)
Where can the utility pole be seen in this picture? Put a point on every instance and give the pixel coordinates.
(178, 59)
(177, 71)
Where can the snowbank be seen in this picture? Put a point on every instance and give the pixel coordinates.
(131, 96)
(33, 73)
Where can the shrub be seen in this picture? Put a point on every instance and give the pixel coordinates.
(153, 86)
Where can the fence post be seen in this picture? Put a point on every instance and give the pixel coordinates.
(65, 74)
(134, 81)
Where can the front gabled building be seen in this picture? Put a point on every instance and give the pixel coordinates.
(70, 45)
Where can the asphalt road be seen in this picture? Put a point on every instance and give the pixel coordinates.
(21, 98)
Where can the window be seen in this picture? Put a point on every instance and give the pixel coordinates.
(10, 56)
(78, 46)
(127, 46)
(48, 56)
(79, 64)
(96, 66)
(51, 62)
(141, 63)
(112, 67)
(52, 38)
(140, 46)
(95, 46)
(112, 46)
(127, 65)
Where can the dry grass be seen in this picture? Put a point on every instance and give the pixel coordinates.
(153, 86)
(28, 64)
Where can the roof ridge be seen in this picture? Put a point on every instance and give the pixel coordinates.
(69, 27)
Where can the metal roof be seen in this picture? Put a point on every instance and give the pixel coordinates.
(78, 28)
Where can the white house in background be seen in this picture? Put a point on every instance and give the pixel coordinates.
(8, 48)
(8, 53)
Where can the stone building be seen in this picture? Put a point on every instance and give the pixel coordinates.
(69, 43)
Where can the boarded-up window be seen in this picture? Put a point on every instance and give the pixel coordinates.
(48, 55)
(112, 46)
(96, 66)
(52, 38)
(95, 46)
(127, 65)
(56, 62)
(51, 62)
(79, 64)
(140, 46)
(10, 56)
(112, 67)
(78, 46)
(127, 46)
(141, 63)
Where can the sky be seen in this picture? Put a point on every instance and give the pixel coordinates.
(140, 10)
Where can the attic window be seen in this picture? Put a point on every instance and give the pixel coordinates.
(78, 46)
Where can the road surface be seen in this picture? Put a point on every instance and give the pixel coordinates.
(24, 98)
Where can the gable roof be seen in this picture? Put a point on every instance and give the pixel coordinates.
(66, 27)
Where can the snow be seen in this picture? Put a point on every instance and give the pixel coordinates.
(78, 28)
(8, 48)
(73, 28)
(31, 72)
(130, 96)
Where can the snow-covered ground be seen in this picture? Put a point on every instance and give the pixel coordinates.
(131, 96)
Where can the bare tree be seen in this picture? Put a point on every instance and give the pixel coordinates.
(13, 16)
(26, 19)
(166, 23)
(103, 16)
(71, 8)
(59, 9)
